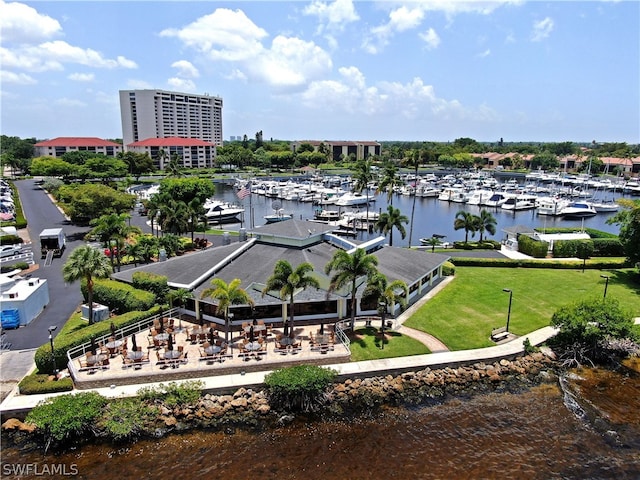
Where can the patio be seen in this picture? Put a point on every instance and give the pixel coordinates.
(172, 353)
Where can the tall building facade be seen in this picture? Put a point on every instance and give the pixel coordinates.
(160, 114)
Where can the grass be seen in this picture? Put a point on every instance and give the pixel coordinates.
(367, 344)
(463, 314)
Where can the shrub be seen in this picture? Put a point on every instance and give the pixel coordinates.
(67, 416)
(301, 387)
(533, 248)
(124, 418)
(151, 282)
(38, 383)
(10, 240)
(607, 247)
(15, 266)
(173, 394)
(120, 296)
(448, 269)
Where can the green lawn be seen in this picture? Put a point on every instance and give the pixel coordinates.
(463, 313)
(366, 344)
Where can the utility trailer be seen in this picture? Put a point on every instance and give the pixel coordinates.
(52, 242)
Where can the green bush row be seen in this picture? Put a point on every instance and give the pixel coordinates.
(573, 248)
(299, 388)
(39, 383)
(448, 269)
(599, 264)
(20, 221)
(120, 296)
(83, 335)
(151, 282)
(10, 240)
(607, 247)
(533, 248)
(15, 266)
(484, 245)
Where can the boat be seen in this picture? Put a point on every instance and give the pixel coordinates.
(578, 210)
(477, 197)
(605, 206)
(551, 206)
(278, 216)
(350, 199)
(221, 212)
(327, 215)
(521, 202)
(453, 194)
(496, 200)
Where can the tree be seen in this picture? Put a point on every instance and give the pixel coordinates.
(288, 281)
(137, 163)
(174, 217)
(227, 295)
(173, 168)
(629, 221)
(362, 176)
(381, 291)
(590, 330)
(485, 222)
(86, 263)
(465, 220)
(389, 181)
(112, 230)
(389, 220)
(85, 202)
(433, 242)
(347, 269)
(186, 189)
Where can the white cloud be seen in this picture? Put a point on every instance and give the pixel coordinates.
(334, 16)
(81, 77)
(229, 36)
(21, 23)
(136, 84)
(16, 78)
(400, 20)
(542, 29)
(484, 54)
(69, 102)
(181, 84)
(186, 69)
(431, 38)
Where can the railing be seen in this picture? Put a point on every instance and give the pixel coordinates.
(340, 328)
(121, 333)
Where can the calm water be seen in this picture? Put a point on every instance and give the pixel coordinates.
(432, 216)
(534, 435)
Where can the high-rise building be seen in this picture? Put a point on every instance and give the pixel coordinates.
(160, 114)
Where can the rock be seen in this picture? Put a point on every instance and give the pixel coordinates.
(240, 402)
(263, 409)
(15, 424)
(170, 421)
(286, 419)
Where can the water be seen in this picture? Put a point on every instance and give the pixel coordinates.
(532, 435)
(432, 216)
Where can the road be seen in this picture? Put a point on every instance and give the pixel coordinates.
(41, 213)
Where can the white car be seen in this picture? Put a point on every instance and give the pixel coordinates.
(10, 250)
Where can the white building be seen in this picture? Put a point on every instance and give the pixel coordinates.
(57, 147)
(28, 296)
(159, 114)
(190, 152)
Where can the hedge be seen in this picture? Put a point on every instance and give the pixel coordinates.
(484, 245)
(10, 240)
(151, 282)
(15, 266)
(119, 296)
(64, 342)
(607, 247)
(20, 221)
(599, 264)
(531, 247)
(38, 383)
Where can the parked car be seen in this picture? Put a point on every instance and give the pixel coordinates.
(10, 250)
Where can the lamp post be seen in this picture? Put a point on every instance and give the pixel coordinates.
(382, 307)
(606, 285)
(51, 329)
(230, 323)
(510, 298)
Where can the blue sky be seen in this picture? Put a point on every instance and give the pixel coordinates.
(331, 70)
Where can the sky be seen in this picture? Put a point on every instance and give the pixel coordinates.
(433, 70)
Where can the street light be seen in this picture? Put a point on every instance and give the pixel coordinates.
(51, 329)
(382, 307)
(510, 298)
(229, 326)
(606, 284)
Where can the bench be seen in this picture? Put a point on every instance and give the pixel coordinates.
(498, 334)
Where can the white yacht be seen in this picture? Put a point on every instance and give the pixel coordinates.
(477, 197)
(497, 199)
(221, 212)
(520, 202)
(452, 194)
(551, 206)
(578, 210)
(350, 199)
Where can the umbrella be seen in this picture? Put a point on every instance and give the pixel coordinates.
(113, 330)
(251, 337)
(134, 345)
(92, 347)
(286, 329)
(161, 329)
(211, 336)
(170, 343)
(255, 321)
(322, 329)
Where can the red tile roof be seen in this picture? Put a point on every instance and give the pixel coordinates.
(77, 142)
(171, 142)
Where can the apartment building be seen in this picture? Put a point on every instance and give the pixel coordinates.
(190, 152)
(340, 149)
(161, 114)
(57, 147)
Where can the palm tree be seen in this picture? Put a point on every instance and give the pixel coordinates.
(195, 211)
(348, 268)
(362, 176)
(174, 217)
(227, 294)
(87, 263)
(112, 229)
(389, 181)
(389, 220)
(465, 220)
(288, 281)
(383, 292)
(416, 164)
(163, 156)
(485, 222)
(433, 242)
(173, 169)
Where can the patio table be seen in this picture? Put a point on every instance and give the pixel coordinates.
(212, 349)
